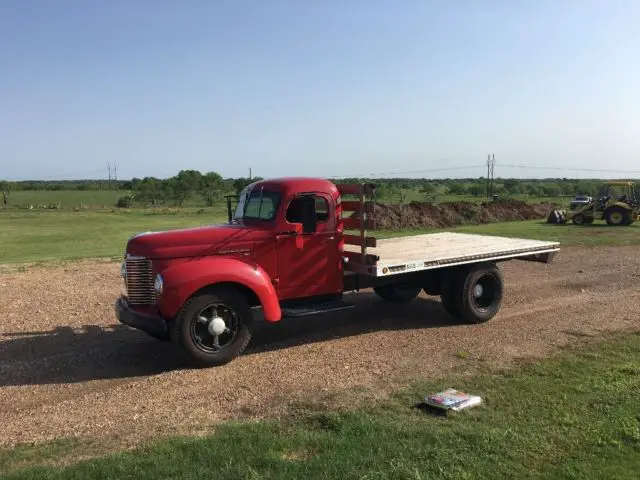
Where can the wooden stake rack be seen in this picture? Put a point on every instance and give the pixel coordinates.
(362, 221)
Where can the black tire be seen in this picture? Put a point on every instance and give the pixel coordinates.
(398, 293)
(479, 290)
(192, 337)
(617, 216)
(579, 219)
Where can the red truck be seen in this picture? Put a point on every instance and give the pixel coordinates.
(289, 250)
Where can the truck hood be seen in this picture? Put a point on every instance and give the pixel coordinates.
(191, 242)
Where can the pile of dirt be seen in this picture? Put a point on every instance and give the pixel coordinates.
(450, 214)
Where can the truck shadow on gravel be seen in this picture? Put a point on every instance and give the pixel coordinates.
(67, 355)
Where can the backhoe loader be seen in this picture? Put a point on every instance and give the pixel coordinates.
(617, 204)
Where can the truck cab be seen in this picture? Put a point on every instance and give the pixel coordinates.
(282, 243)
(296, 238)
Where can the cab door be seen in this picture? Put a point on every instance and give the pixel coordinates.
(308, 259)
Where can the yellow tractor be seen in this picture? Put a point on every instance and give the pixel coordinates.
(617, 204)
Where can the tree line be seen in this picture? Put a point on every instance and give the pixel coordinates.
(212, 187)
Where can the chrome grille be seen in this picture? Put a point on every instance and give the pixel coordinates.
(140, 281)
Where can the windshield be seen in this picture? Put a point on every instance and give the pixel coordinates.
(257, 204)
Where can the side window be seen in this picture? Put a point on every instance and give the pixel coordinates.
(296, 210)
(300, 207)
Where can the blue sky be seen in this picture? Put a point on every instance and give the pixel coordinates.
(325, 88)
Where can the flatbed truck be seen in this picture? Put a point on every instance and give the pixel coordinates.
(291, 249)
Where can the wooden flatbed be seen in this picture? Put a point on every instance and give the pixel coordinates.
(414, 253)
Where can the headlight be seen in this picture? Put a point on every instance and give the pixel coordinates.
(158, 284)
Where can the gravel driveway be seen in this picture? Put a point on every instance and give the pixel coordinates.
(66, 368)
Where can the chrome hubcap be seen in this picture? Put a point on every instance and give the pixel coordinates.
(214, 328)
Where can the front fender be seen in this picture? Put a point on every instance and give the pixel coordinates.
(184, 279)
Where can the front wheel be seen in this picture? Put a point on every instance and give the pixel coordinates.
(213, 328)
(578, 219)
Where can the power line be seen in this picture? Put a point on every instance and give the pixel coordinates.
(570, 169)
(405, 172)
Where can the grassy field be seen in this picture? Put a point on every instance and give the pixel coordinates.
(68, 199)
(573, 416)
(67, 235)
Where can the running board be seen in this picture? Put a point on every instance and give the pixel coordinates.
(315, 309)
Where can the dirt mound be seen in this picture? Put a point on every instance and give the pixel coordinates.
(450, 214)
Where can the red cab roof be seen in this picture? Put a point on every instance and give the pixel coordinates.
(292, 185)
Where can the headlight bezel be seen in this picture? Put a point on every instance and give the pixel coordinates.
(158, 284)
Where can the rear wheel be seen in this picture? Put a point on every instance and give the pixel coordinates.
(213, 328)
(480, 293)
(617, 216)
(397, 293)
(475, 293)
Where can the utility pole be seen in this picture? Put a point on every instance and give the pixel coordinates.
(491, 161)
(115, 173)
(109, 168)
(249, 173)
(486, 188)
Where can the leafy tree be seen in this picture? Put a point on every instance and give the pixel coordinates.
(5, 188)
(551, 190)
(428, 189)
(457, 188)
(210, 187)
(512, 186)
(477, 189)
(150, 190)
(184, 185)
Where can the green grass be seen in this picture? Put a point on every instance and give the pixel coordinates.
(572, 416)
(68, 235)
(44, 236)
(68, 199)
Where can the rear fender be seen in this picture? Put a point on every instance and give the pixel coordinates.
(619, 205)
(183, 280)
